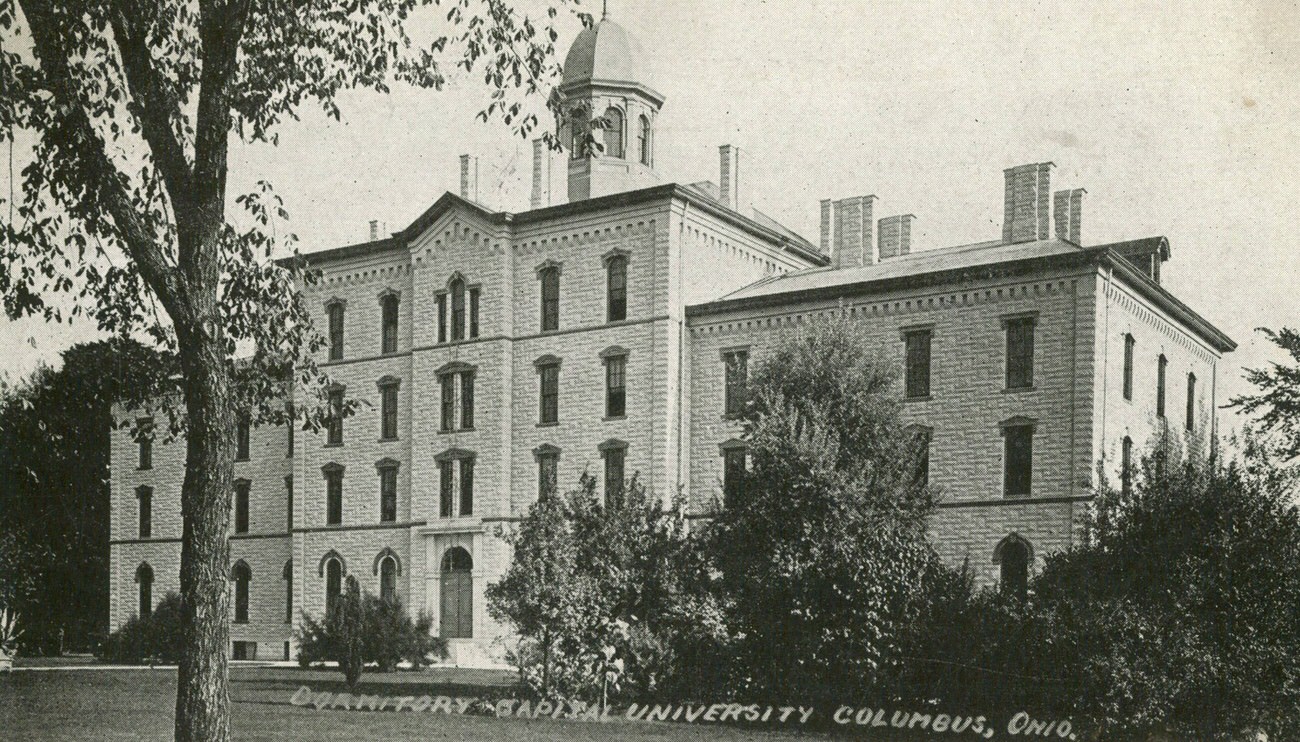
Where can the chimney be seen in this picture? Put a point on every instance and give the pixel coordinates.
(827, 237)
(541, 176)
(374, 229)
(853, 245)
(1025, 208)
(469, 178)
(895, 236)
(1068, 207)
(734, 179)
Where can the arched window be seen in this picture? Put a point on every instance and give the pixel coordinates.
(613, 132)
(457, 289)
(144, 578)
(242, 576)
(578, 128)
(456, 593)
(333, 584)
(643, 140)
(1014, 555)
(288, 591)
(616, 287)
(388, 579)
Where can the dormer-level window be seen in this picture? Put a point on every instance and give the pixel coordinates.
(1020, 352)
(335, 310)
(1161, 365)
(616, 287)
(388, 306)
(457, 289)
(242, 434)
(550, 279)
(1191, 402)
(1129, 345)
(144, 443)
(643, 140)
(613, 133)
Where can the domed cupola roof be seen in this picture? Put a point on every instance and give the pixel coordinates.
(604, 53)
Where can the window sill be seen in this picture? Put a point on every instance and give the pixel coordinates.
(242, 461)
(393, 439)
(918, 398)
(243, 622)
(144, 468)
(455, 431)
(1019, 389)
(332, 445)
(552, 424)
(621, 321)
(611, 418)
(732, 416)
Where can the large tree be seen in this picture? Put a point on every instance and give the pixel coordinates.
(123, 214)
(1275, 407)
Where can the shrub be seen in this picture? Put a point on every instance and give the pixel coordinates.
(155, 638)
(363, 629)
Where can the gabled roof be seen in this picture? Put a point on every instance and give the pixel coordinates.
(960, 264)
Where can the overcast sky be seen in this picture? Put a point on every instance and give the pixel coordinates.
(1179, 120)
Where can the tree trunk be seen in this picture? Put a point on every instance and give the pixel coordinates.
(202, 697)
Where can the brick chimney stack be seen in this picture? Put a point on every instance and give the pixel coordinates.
(735, 179)
(374, 229)
(895, 235)
(1026, 212)
(469, 178)
(847, 231)
(541, 176)
(1067, 208)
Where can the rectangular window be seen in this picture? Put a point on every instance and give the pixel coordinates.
(917, 377)
(615, 386)
(388, 344)
(550, 299)
(616, 280)
(388, 412)
(922, 477)
(334, 498)
(614, 475)
(1126, 465)
(473, 312)
(241, 507)
(445, 495)
(467, 486)
(442, 318)
(388, 494)
(1129, 342)
(1191, 402)
(1019, 460)
(289, 431)
(467, 400)
(448, 382)
(737, 381)
(288, 508)
(336, 331)
(1020, 353)
(145, 496)
(1161, 366)
(144, 444)
(547, 469)
(550, 401)
(241, 438)
(733, 476)
(334, 430)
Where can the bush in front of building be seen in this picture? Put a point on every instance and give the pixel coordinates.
(603, 583)
(360, 629)
(155, 638)
(823, 553)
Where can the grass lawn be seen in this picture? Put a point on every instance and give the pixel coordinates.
(137, 704)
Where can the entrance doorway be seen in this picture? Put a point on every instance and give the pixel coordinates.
(457, 595)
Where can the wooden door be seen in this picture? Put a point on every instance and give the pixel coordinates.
(456, 617)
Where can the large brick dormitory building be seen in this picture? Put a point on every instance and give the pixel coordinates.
(610, 333)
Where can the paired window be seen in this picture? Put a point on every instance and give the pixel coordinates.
(734, 472)
(549, 275)
(144, 443)
(548, 466)
(242, 434)
(548, 376)
(643, 140)
(242, 576)
(736, 390)
(333, 494)
(1129, 344)
(1020, 352)
(1126, 465)
(242, 487)
(144, 578)
(616, 287)
(613, 132)
(388, 309)
(457, 395)
(388, 408)
(335, 311)
(1161, 366)
(1191, 402)
(334, 426)
(456, 484)
(1018, 457)
(614, 453)
(462, 321)
(615, 382)
(288, 591)
(387, 490)
(144, 496)
(916, 381)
